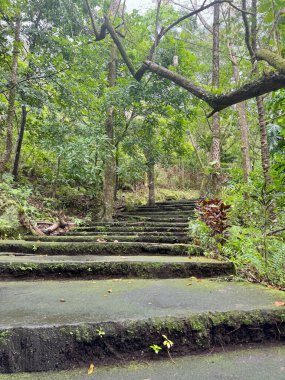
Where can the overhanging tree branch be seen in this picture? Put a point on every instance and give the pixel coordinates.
(259, 87)
(273, 59)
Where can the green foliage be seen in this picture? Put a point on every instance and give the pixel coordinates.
(100, 331)
(251, 242)
(12, 201)
(202, 237)
(156, 348)
(245, 247)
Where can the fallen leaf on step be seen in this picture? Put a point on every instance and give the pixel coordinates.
(109, 290)
(116, 241)
(279, 303)
(190, 283)
(101, 241)
(91, 369)
(62, 300)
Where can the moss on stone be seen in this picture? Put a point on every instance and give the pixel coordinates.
(64, 248)
(64, 347)
(109, 269)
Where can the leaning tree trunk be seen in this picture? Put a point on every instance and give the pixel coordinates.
(19, 143)
(11, 97)
(110, 164)
(215, 157)
(151, 186)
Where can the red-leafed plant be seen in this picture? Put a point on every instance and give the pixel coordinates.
(214, 213)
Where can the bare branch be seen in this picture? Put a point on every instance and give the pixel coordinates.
(247, 31)
(33, 78)
(120, 47)
(92, 19)
(156, 38)
(202, 20)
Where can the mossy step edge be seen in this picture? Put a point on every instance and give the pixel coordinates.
(61, 347)
(122, 269)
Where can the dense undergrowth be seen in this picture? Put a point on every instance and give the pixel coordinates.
(254, 234)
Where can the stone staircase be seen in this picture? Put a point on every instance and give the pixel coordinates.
(105, 293)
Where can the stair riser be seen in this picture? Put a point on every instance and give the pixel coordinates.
(130, 229)
(130, 220)
(190, 202)
(159, 213)
(36, 349)
(129, 233)
(96, 248)
(134, 238)
(104, 270)
(165, 208)
(135, 224)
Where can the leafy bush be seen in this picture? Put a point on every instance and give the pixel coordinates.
(245, 247)
(12, 201)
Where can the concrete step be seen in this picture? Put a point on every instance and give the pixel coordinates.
(152, 218)
(25, 266)
(54, 325)
(112, 238)
(154, 209)
(92, 248)
(136, 223)
(181, 202)
(128, 233)
(167, 214)
(248, 362)
(176, 228)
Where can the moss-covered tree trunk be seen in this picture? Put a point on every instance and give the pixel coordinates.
(151, 183)
(110, 163)
(5, 158)
(19, 143)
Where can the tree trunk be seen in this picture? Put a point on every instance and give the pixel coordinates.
(151, 186)
(263, 140)
(19, 143)
(116, 187)
(110, 164)
(259, 102)
(242, 120)
(243, 127)
(215, 156)
(11, 97)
